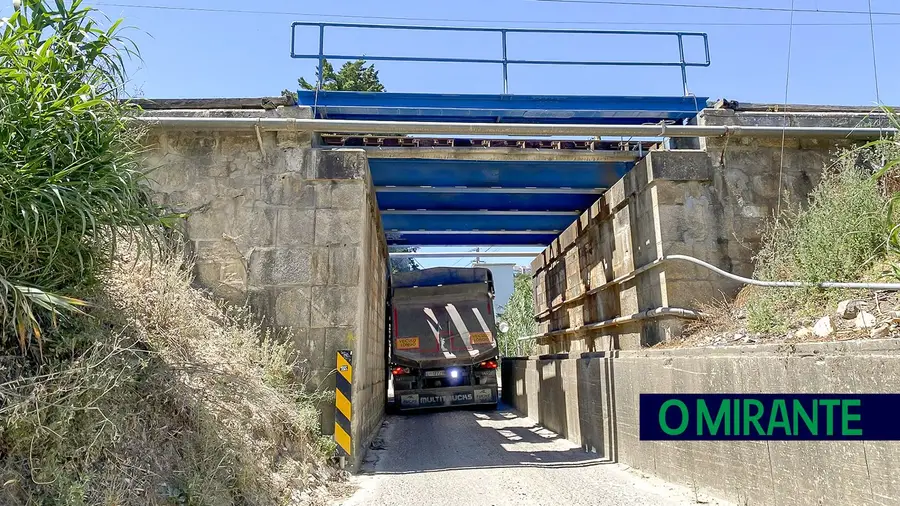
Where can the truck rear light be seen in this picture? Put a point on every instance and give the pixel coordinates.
(400, 371)
(488, 364)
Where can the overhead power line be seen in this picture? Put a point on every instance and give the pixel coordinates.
(874, 59)
(452, 20)
(717, 7)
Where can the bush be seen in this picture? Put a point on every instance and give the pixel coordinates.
(70, 179)
(840, 236)
(176, 400)
(837, 237)
(519, 314)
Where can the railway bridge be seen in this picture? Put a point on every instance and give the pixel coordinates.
(292, 208)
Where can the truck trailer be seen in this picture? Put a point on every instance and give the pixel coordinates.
(443, 347)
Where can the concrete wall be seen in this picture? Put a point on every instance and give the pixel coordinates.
(593, 401)
(292, 231)
(592, 284)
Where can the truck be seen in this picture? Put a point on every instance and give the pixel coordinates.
(442, 347)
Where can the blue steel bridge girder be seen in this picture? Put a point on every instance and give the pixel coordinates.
(523, 198)
(450, 202)
(448, 216)
(502, 173)
(472, 108)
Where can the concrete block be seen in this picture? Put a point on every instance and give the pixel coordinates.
(281, 266)
(320, 265)
(288, 189)
(334, 306)
(310, 345)
(207, 273)
(343, 265)
(342, 338)
(253, 226)
(341, 164)
(681, 165)
(211, 222)
(199, 147)
(323, 193)
(296, 227)
(338, 227)
(348, 194)
(292, 307)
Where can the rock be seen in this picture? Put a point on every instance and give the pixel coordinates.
(803, 333)
(737, 337)
(880, 331)
(847, 309)
(895, 316)
(823, 327)
(864, 320)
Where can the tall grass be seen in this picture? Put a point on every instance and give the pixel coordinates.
(888, 176)
(174, 398)
(847, 232)
(70, 180)
(839, 234)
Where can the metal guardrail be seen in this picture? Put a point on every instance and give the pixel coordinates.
(505, 61)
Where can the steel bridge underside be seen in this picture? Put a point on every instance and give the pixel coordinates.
(490, 192)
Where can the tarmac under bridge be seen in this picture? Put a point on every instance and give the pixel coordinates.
(292, 208)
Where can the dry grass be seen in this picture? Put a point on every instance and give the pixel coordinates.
(163, 397)
(717, 316)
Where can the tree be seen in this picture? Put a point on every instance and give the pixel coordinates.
(70, 175)
(518, 313)
(403, 264)
(353, 76)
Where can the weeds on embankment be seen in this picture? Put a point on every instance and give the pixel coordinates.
(840, 235)
(167, 397)
(848, 231)
(119, 383)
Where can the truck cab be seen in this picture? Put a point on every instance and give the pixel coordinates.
(443, 348)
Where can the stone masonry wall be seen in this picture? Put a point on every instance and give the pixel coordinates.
(594, 284)
(587, 277)
(593, 401)
(369, 369)
(293, 232)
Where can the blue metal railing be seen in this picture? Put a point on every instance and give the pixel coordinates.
(682, 62)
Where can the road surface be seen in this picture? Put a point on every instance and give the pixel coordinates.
(495, 458)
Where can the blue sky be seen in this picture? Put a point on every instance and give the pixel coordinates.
(204, 53)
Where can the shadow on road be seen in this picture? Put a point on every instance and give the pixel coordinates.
(466, 439)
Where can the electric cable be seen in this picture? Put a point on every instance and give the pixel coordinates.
(318, 15)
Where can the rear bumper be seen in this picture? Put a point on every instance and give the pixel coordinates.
(442, 397)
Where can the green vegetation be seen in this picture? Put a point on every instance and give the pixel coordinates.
(172, 399)
(519, 315)
(70, 183)
(847, 232)
(404, 264)
(157, 394)
(889, 178)
(353, 76)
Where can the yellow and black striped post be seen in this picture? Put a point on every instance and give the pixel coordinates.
(342, 402)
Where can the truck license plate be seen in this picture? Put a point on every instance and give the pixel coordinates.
(484, 395)
(435, 374)
(407, 343)
(480, 337)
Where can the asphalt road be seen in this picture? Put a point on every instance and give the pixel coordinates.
(495, 458)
